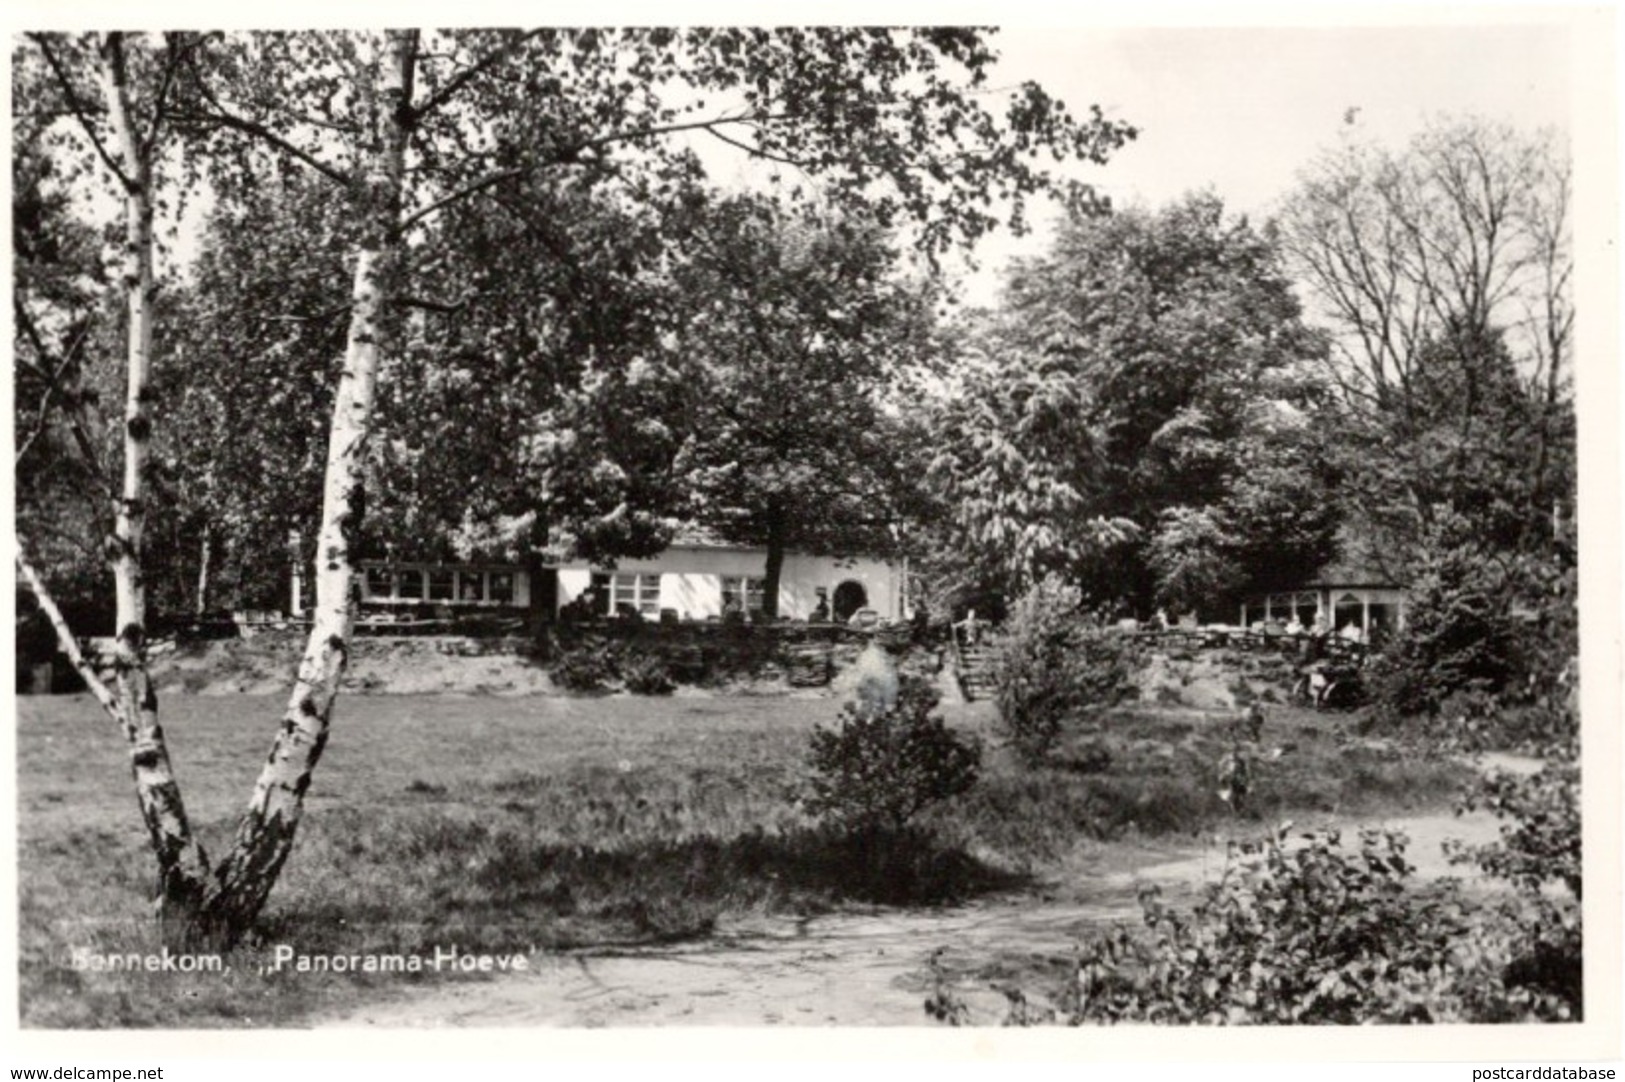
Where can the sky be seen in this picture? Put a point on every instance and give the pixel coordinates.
(1243, 110)
(1239, 109)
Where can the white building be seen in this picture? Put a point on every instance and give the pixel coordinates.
(696, 580)
(1346, 594)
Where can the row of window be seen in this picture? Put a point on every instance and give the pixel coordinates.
(1303, 608)
(641, 592)
(439, 584)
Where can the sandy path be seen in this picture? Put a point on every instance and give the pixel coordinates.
(847, 969)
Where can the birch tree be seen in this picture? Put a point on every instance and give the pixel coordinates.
(119, 95)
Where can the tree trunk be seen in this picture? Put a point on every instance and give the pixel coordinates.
(265, 833)
(205, 551)
(182, 866)
(775, 572)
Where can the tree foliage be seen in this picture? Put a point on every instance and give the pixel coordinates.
(885, 762)
(798, 329)
(1131, 423)
(62, 325)
(1054, 664)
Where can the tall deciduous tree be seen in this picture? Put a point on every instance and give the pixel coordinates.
(1124, 407)
(799, 326)
(1444, 269)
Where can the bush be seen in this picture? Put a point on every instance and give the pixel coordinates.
(1484, 633)
(887, 761)
(1539, 846)
(587, 666)
(1054, 664)
(647, 674)
(1308, 934)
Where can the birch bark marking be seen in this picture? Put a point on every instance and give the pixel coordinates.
(265, 833)
(182, 866)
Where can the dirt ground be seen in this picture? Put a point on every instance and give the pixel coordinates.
(846, 969)
(264, 665)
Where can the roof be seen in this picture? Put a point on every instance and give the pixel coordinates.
(1358, 563)
(692, 535)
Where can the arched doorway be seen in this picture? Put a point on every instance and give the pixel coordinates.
(850, 596)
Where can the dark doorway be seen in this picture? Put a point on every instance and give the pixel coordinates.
(544, 592)
(850, 596)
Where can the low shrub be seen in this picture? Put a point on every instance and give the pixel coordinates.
(1053, 664)
(1308, 933)
(647, 674)
(888, 761)
(1539, 846)
(585, 666)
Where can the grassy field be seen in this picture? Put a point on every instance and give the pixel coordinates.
(517, 824)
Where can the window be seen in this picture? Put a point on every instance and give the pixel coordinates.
(442, 584)
(470, 586)
(744, 594)
(411, 584)
(380, 583)
(641, 592)
(501, 583)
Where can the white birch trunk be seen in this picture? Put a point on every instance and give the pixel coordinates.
(265, 833)
(205, 559)
(182, 866)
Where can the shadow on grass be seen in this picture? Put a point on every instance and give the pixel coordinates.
(420, 881)
(504, 887)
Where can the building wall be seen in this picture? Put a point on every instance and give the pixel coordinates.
(691, 579)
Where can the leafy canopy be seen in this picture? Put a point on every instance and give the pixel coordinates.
(1131, 416)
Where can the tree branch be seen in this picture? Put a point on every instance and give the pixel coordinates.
(464, 77)
(473, 187)
(65, 638)
(52, 382)
(669, 129)
(79, 110)
(266, 135)
(571, 152)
